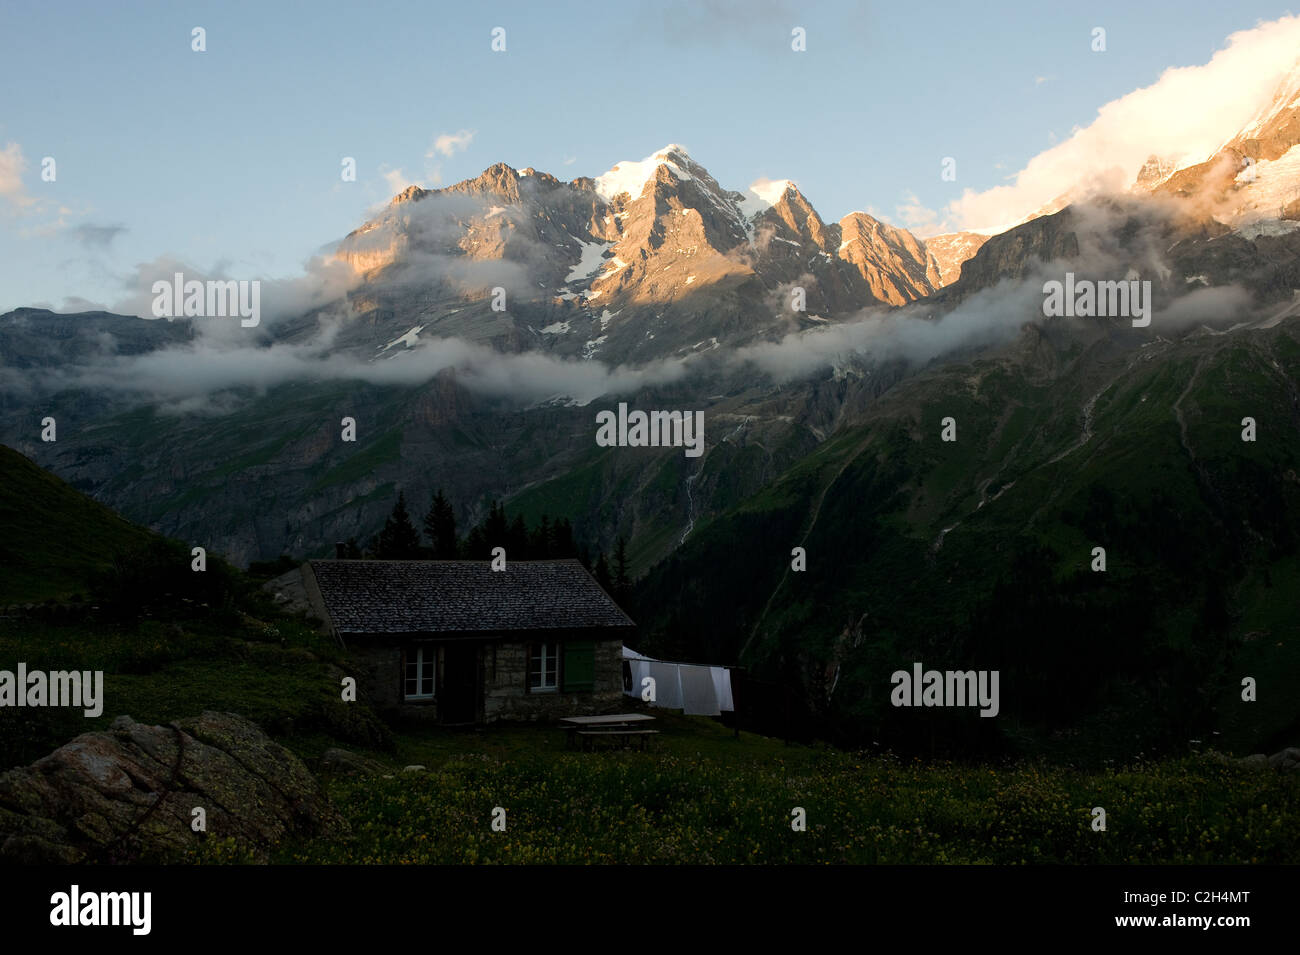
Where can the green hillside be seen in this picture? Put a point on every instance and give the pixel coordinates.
(977, 554)
(55, 539)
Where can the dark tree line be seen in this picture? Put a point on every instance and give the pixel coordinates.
(547, 540)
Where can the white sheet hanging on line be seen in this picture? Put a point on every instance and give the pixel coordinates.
(640, 670)
(639, 667)
(722, 689)
(668, 688)
(696, 690)
(698, 695)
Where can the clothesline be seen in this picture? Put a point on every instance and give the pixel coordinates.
(695, 689)
(630, 654)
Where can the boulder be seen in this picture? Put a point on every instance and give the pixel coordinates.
(1288, 760)
(127, 794)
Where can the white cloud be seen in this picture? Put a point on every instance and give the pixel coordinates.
(1187, 114)
(12, 165)
(448, 144)
(396, 179)
(916, 217)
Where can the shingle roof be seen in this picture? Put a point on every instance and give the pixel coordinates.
(462, 596)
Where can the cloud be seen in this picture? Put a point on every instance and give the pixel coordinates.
(448, 144)
(1114, 237)
(396, 180)
(323, 284)
(916, 217)
(205, 368)
(986, 317)
(96, 236)
(12, 189)
(1117, 240)
(420, 245)
(74, 304)
(1187, 114)
(1205, 305)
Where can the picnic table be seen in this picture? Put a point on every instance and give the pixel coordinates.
(622, 726)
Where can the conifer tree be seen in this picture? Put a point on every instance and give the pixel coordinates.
(541, 540)
(601, 573)
(440, 527)
(398, 540)
(622, 585)
(518, 546)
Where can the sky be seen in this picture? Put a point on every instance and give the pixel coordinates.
(230, 158)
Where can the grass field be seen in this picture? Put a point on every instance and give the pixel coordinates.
(699, 796)
(705, 797)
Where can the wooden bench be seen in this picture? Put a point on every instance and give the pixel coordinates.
(621, 732)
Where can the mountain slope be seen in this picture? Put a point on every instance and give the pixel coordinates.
(56, 540)
(1254, 177)
(978, 553)
(653, 259)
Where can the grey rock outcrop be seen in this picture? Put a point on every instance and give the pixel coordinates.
(1288, 760)
(128, 794)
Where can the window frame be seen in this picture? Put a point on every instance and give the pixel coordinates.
(555, 657)
(420, 655)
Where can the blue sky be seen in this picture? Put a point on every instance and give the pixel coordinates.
(229, 159)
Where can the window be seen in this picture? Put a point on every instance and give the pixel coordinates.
(567, 667)
(420, 662)
(544, 668)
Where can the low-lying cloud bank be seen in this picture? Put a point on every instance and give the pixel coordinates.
(223, 357)
(183, 374)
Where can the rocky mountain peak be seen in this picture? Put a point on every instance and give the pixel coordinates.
(498, 181)
(673, 162)
(650, 259)
(409, 194)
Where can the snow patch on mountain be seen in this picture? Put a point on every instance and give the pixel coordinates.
(591, 259)
(410, 339)
(618, 266)
(762, 195)
(1270, 185)
(631, 177)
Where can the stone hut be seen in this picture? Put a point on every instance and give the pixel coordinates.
(456, 642)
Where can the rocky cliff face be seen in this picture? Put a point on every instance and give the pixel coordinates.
(952, 250)
(653, 259)
(1014, 254)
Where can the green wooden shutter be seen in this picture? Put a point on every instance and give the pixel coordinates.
(579, 666)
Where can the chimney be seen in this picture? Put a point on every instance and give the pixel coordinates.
(338, 550)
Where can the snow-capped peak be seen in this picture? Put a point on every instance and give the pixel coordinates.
(631, 177)
(1285, 96)
(762, 195)
(771, 190)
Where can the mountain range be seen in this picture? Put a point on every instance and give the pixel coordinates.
(483, 325)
